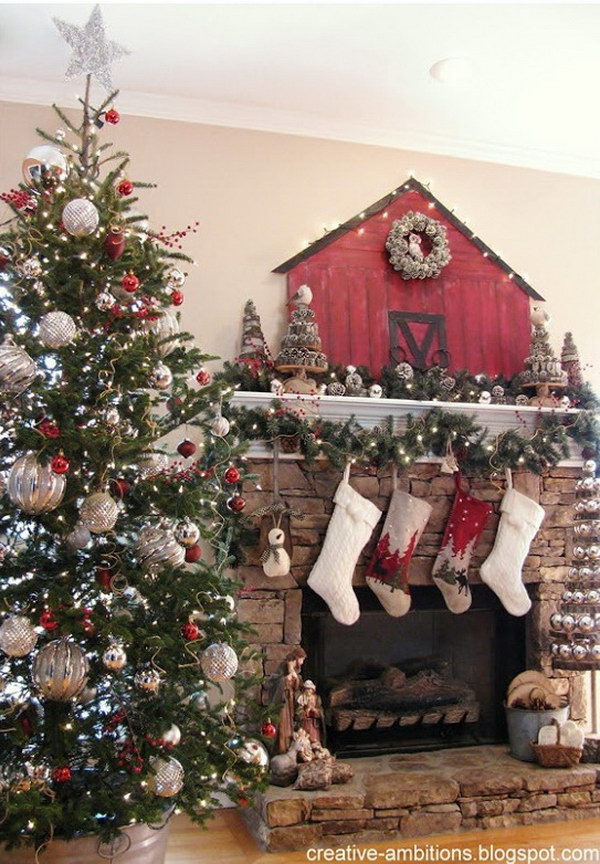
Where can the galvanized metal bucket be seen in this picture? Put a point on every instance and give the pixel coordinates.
(138, 844)
(523, 726)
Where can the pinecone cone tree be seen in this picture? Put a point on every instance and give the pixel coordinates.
(570, 362)
(254, 351)
(110, 636)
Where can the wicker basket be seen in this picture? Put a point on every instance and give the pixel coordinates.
(556, 755)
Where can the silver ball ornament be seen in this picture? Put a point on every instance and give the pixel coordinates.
(172, 735)
(165, 326)
(17, 636)
(254, 752)
(585, 623)
(566, 596)
(104, 301)
(175, 278)
(577, 597)
(114, 658)
(161, 377)
(148, 680)
(589, 467)
(79, 537)
(60, 670)
(593, 596)
(158, 546)
(80, 217)
(219, 662)
(57, 329)
(568, 623)
(44, 158)
(565, 651)
(167, 779)
(99, 512)
(556, 621)
(595, 652)
(34, 487)
(17, 369)
(220, 426)
(112, 416)
(580, 652)
(31, 267)
(152, 464)
(187, 533)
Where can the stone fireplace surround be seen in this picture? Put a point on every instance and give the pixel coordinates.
(407, 795)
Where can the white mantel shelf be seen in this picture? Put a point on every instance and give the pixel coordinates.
(374, 412)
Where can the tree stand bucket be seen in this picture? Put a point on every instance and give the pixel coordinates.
(523, 727)
(138, 844)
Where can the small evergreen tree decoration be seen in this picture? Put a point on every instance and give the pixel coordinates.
(115, 622)
(570, 363)
(254, 351)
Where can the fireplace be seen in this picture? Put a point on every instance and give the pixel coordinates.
(481, 651)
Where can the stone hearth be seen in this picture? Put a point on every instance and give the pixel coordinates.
(413, 795)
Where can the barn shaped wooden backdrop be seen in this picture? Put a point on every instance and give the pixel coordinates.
(474, 315)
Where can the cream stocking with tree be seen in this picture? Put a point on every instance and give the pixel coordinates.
(464, 528)
(387, 575)
(519, 522)
(351, 525)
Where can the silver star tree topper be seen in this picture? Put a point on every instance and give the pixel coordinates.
(92, 53)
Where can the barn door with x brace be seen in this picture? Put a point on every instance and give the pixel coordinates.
(419, 339)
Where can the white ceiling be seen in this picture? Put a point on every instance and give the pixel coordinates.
(356, 72)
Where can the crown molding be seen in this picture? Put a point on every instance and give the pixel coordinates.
(261, 119)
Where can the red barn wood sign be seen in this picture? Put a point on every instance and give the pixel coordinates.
(474, 315)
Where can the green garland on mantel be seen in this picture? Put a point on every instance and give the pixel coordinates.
(429, 434)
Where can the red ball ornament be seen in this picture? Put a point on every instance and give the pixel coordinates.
(49, 428)
(203, 378)
(60, 464)
(114, 243)
(125, 187)
(120, 487)
(190, 631)
(236, 503)
(177, 298)
(104, 578)
(62, 774)
(112, 116)
(268, 729)
(232, 475)
(48, 621)
(186, 448)
(193, 554)
(130, 283)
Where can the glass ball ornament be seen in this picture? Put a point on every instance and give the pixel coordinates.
(31, 267)
(104, 301)
(175, 278)
(157, 546)
(34, 487)
(152, 464)
(219, 662)
(198, 701)
(554, 649)
(17, 369)
(164, 327)
(79, 537)
(566, 596)
(593, 552)
(161, 377)
(80, 217)
(167, 777)
(42, 160)
(568, 623)
(112, 416)
(172, 735)
(593, 596)
(60, 670)
(565, 652)
(57, 329)
(220, 426)
(589, 467)
(17, 636)
(114, 658)
(254, 752)
(148, 680)
(99, 512)
(580, 652)
(556, 621)
(577, 597)
(579, 552)
(595, 652)
(187, 533)
(585, 623)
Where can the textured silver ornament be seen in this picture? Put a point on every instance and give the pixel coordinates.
(156, 546)
(254, 752)
(153, 464)
(80, 217)
(17, 636)
(187, 533)
(79, 537)
(104, 301)
(219, 662)
(148, 680)
(175, 278)
(57, 329)
(60, 670)
(580, 652)
(44, 158)
(92, 54)
(198, 701)
(162, 377)
(167, 779)
(220, 426)
(114, 658)
(34, 487)
(99, 512)
(31, 267)
(17, 369)
(164, 327)
(172, 735)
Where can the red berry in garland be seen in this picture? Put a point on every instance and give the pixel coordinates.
(177, 298)
(62, 774)
(193, 554)
(236, 503)
(232, 475)
(114, 243)
(203, 378)
(125, 187)
(48, 621)
(268, 729)
(60, 464)
(112, 116)
(130, 283)
(186, 448)
(190, 631)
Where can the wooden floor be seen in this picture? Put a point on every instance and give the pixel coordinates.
(227, 841)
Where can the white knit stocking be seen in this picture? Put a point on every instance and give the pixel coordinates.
(387, 575)
(351, 525)
(521, 517)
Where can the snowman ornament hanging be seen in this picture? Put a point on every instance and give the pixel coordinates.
(275, 560)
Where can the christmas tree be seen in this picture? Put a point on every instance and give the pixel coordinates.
(118, 615)
(254, 351)
(570, 362)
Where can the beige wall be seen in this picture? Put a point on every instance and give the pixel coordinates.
(259, 196)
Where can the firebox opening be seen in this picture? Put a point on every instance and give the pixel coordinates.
(427, 680)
